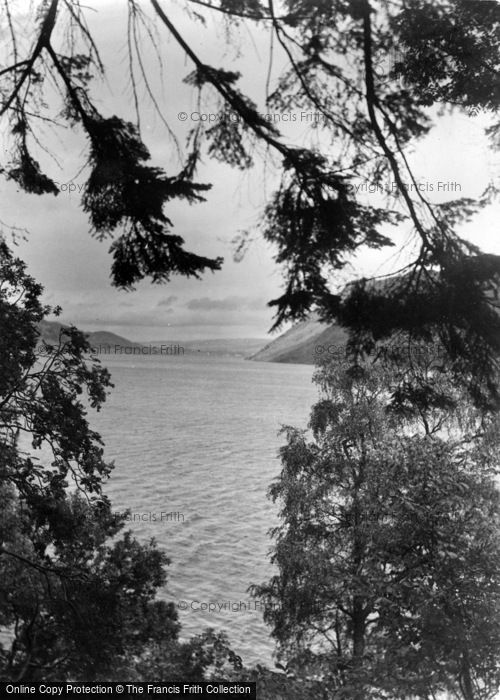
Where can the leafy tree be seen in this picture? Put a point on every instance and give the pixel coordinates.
(371, 71)
(388, 549)
(77, 597)
(76, 605)
(77, 594)
(41, 390)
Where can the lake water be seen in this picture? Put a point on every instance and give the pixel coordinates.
(195, 444)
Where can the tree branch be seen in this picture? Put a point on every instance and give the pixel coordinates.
(371, 102)
(43, 42)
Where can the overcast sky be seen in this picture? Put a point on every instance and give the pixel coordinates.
(74, 268)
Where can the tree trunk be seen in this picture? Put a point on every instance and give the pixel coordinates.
(466, 680)
(358, 645)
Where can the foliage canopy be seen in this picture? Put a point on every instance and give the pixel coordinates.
(375, 72)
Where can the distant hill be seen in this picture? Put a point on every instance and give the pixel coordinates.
(224, 347)
(49, 333)
(303, 343)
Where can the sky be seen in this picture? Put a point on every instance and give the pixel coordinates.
(74, 268)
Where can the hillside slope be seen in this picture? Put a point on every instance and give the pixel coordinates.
(49, 333)
(302, 343)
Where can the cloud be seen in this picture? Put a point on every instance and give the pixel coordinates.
(227, 304)
(133, 315)
(257, 304)
(167, 301)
